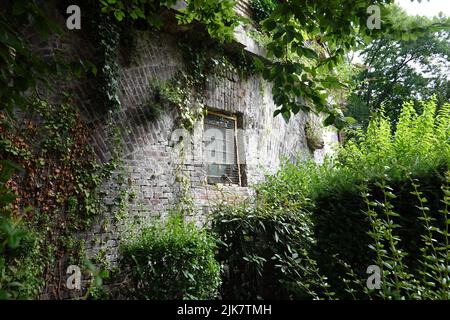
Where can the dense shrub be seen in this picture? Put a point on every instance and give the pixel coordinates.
(429, 276)
(171, 260)
(264, 253)
(417, 151)
(382, 187)
(342, 224)
(419, 146)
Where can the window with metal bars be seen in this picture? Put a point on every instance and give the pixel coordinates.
(221, 148)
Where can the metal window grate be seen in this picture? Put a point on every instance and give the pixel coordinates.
(222, 157)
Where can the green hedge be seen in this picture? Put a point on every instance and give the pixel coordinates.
(381, 200)
(264, 253)
(172, 260)
(341, 226)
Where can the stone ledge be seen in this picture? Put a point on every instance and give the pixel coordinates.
(241, 36)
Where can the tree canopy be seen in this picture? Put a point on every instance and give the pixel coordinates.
(303, 73)
(396, 70)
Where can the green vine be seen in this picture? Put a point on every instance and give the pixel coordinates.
(217, 16)
(179, 92)
(186, 89)
(109, 41)
(60, 186)
(104, 32)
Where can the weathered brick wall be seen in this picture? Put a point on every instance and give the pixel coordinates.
(152, 158)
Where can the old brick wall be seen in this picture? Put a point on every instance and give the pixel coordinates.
(151, 155)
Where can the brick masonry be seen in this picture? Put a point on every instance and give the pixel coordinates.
(152, 157)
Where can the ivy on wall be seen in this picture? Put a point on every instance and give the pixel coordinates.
(187, 88)
(59, 183)
(54, 194)
(217, 16)
(108, 39)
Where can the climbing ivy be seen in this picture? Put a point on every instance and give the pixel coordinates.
(217, 16)
(179, 92)
(108, 39)
(60, 181)
(187, 88)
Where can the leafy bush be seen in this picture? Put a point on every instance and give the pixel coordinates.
(430, 279)
(265, 252)
(418, 150)
(420, 145)
(172, 260)
(367, 196)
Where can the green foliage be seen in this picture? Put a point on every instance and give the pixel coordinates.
(400, 280)
(396, 70)
(58, 194)
(154, 103)
(61, 141)
(20, 272)
(265, 253)
(217, 16)
(382, 200)
(146, 10)
(61, 175)
(186, 89)
(108, 38)
(289, 187)
(105, 32)
(96, 289)
(171, 260)
(420, 144)
(308, 43)
(179, 92)
(262, 9)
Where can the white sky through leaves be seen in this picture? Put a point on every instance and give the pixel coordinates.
(425, 8)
